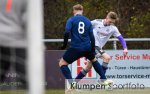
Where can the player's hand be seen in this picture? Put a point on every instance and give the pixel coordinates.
(125, 51)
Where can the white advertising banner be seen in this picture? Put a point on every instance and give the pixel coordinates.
(134, 67)
(78, 65)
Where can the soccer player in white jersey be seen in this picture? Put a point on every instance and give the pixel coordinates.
(103, 29)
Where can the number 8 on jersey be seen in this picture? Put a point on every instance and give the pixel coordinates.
(81, 27)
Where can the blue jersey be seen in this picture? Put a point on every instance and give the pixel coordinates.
(80, 27)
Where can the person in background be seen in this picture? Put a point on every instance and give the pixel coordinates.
(13, 39)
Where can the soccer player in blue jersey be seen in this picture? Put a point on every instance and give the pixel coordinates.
(82, 43)
(103, 29)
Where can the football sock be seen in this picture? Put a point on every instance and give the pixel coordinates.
(81, 75)
(66, 72)
(105, 67)
(99, 69)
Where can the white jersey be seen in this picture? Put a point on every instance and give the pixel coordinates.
(103, 33)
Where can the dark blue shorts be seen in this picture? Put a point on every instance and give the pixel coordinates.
(73, 54)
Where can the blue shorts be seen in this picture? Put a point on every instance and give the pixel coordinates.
(73, 54)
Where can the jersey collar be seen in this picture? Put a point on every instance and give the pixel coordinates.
(104, 22)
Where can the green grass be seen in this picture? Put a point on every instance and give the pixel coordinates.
(13, 92)
(124, 91)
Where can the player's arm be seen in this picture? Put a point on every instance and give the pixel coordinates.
(66, 33)
(66, 37)
(121, 40)
(92, 39)
(123, 43)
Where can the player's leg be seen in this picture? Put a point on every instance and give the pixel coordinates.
(68, 58)
(19, 55)
(84, 71)
(106, 58)
(89, 64)
(4, 62)
(64, 69)
(97, 66)
(99, 69)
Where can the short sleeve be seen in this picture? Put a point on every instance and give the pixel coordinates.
(94, 23)
(68, 24)
(116, 32)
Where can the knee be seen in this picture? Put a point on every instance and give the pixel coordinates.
(88, 67)
(62, 62)
(107, 59)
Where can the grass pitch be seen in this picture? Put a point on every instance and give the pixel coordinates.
(124, 91)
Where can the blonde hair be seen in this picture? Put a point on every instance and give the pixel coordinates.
(113, 15)
(78, 7)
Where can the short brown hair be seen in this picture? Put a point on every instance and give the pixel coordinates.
(77, 7)
(112, 15)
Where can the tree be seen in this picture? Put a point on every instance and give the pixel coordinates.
(134, 16)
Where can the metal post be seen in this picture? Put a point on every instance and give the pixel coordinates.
(115, 45)
(35, 63)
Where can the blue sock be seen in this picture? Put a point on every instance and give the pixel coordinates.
(98, 68)
(66, 72)
(104, 65)
(80, 75)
